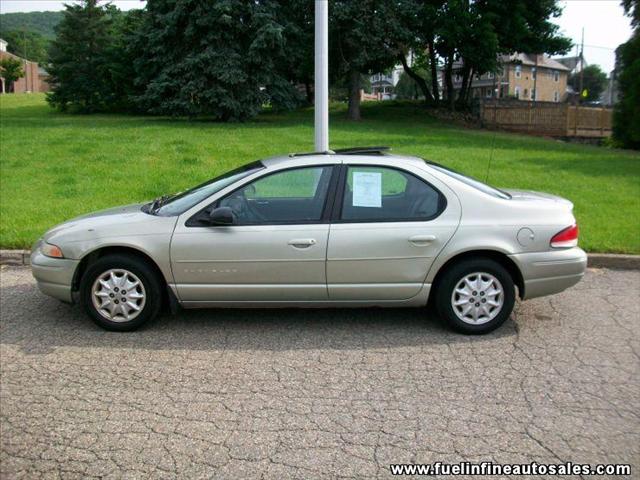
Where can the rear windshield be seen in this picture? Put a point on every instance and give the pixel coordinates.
(472, 182)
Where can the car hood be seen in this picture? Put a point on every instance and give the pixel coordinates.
(128, 220)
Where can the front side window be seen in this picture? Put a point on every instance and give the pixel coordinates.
(386, 194)
(182, 202)
(556, 76)
(290, 196)
(518, 71)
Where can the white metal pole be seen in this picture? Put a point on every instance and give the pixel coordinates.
(322, 76)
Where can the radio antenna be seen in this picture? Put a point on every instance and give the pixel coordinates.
(493, 144)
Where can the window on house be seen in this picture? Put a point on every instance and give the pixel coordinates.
(533, 94)
(517, 92)
(534, 72)
(490, 75)
(518, 71)
(487, 92)
(556, 76)
(556, 97)
(526, 93)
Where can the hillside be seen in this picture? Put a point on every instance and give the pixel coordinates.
(38, 22)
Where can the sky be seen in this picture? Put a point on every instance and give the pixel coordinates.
(605, 26)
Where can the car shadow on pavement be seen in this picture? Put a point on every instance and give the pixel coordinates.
(38, 324)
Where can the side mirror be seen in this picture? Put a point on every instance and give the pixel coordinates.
(221, 216)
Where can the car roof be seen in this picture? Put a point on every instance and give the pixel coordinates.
(323, 158)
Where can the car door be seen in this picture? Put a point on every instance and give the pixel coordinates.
(275, 251)
(388, 227)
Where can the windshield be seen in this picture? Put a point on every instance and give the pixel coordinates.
(472, 182)
(182, 202)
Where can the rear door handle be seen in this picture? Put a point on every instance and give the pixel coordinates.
(302, 242)
(422, 240)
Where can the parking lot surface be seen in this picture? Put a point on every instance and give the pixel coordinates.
(317, 393)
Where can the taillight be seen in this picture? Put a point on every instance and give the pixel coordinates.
(566, 238)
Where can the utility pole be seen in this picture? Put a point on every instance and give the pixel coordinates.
(535, 81)
(581, 66)
(24, 53)
(321, 107)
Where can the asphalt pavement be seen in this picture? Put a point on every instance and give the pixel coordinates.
(316, 393)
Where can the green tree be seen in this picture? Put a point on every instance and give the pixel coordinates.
(407, 88)
(465, 37)
(80, 69)
(43, 23)
(297, 20)
(594, 80)
(26, 44)
(218, 58)
(11, 70)
(626, 118)
(357, 42)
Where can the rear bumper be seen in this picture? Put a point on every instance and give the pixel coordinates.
(54, 276)
(546, 273)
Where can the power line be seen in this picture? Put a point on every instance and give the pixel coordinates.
(599, 46)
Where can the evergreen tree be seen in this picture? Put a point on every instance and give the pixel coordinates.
(217, 58)
(80, 73)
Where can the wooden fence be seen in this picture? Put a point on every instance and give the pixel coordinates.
(546, 118)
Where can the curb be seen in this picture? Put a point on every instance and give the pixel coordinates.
(613, 261)
(15, 257)
(596, 260)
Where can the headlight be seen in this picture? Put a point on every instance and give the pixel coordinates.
(51, 250)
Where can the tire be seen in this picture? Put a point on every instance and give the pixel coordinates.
(482, 277)
(98, 286)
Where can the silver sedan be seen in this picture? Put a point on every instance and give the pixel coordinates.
(356, 227)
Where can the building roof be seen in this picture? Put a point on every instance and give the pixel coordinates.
(570, 62)
(530, 59)
(525, 59)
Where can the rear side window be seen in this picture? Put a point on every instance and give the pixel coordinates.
(374, 193)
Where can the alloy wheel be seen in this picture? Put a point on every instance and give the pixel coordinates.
(118, 295)
(477, 298)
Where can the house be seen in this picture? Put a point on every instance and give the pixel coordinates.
(523, 76)
(383, 84)
(34, 79)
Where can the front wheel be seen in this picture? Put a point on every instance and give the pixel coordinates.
(475, 296)
(120, 292)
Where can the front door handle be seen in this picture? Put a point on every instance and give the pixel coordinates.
(422, 240)
(302, 242)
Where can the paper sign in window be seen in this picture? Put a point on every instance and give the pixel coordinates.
(367, 189)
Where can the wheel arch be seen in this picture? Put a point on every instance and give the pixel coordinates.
(100, 252)
(500, 257)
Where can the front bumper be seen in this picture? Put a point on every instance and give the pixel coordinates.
(546, 273)
(53, 275)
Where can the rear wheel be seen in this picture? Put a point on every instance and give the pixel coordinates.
(120, 292)
(475, 296)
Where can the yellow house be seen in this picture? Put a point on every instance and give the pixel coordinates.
(522, 76)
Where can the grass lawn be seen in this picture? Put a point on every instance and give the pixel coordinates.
(55, 166)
